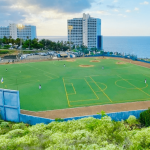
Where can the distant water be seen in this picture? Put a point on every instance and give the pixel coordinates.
(139, 45)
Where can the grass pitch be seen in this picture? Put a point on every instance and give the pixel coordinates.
(74, 86)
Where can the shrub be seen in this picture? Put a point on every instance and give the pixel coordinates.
(4, 124)
(4, 51)
(132, 120)
(59, 119)
(145, 118)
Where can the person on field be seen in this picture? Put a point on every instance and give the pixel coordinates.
(103, 67)
(40, 86)
(145, 81)
(64, 65)
(6, 69)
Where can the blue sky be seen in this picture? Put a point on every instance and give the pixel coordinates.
(119, 17)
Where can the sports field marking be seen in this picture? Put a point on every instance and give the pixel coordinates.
(133, 85)
(130, 88)
(146, 75)
(101, 90)
(91, 88)
(73, 89)
(66, 93)
(48, 76)
(43, 70)
(100, 83)
(86, 99)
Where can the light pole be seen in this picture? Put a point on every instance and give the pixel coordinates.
(20, 27)
(70, 28)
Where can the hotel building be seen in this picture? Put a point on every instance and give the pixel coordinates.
(18, 31)
(86, 30)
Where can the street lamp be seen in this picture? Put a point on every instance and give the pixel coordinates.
(70, 28)
(20, 27)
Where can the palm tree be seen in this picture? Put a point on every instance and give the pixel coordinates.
(29, 41)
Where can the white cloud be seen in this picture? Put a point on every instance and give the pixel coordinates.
(122, 15)
(102, 12)
(116, 10)
(128, 11)
(136, 8)
(115, 1)
(144, 3)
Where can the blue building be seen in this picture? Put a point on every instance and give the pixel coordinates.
(86, 30)
(18, 31)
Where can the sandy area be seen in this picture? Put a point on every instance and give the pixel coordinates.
(86, 66)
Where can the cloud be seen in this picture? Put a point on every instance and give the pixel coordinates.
(116, 10)
(128, 11)
(102, 12)
(136, 8)
(23, 10)
(115, 1)
(112, 6)
(122, 15)
(144, 3)
(71, 6)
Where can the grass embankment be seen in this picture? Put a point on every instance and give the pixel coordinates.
(85, 134)
(8, 52)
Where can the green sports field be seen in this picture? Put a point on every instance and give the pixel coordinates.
(74, 86)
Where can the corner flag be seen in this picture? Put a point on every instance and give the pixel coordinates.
(2, 80)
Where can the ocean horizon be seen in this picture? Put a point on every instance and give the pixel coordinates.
(136, 45)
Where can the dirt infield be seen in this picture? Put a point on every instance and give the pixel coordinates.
(134, 62)
(94, 61)
(120, 63)
(86, 66)
(91, 110)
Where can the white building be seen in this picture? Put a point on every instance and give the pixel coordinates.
(18, 31)
(86, 30)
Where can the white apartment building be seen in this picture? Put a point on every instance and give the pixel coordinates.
(18, 31)
(86, 30)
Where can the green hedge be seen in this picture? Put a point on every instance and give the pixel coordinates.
(4, 51)
(145, 118)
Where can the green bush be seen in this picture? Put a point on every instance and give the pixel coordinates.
(132, 120)
(4, 51)
(145, 118)
(59, 120)
(7, 46)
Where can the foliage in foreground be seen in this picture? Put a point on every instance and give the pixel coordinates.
(83, 134)
(145, 117)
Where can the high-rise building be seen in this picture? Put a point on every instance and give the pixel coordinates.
(86, 31)
(18, 31)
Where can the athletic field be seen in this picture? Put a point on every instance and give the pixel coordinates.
(74, 86)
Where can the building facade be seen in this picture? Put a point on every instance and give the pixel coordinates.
(86, 31)
(18, 31)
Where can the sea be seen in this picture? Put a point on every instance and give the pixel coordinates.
(133, 45)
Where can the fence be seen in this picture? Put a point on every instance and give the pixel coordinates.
(10, 105)
(10, 111)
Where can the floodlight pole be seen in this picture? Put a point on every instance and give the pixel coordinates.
(20, 27)
(70, 29)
